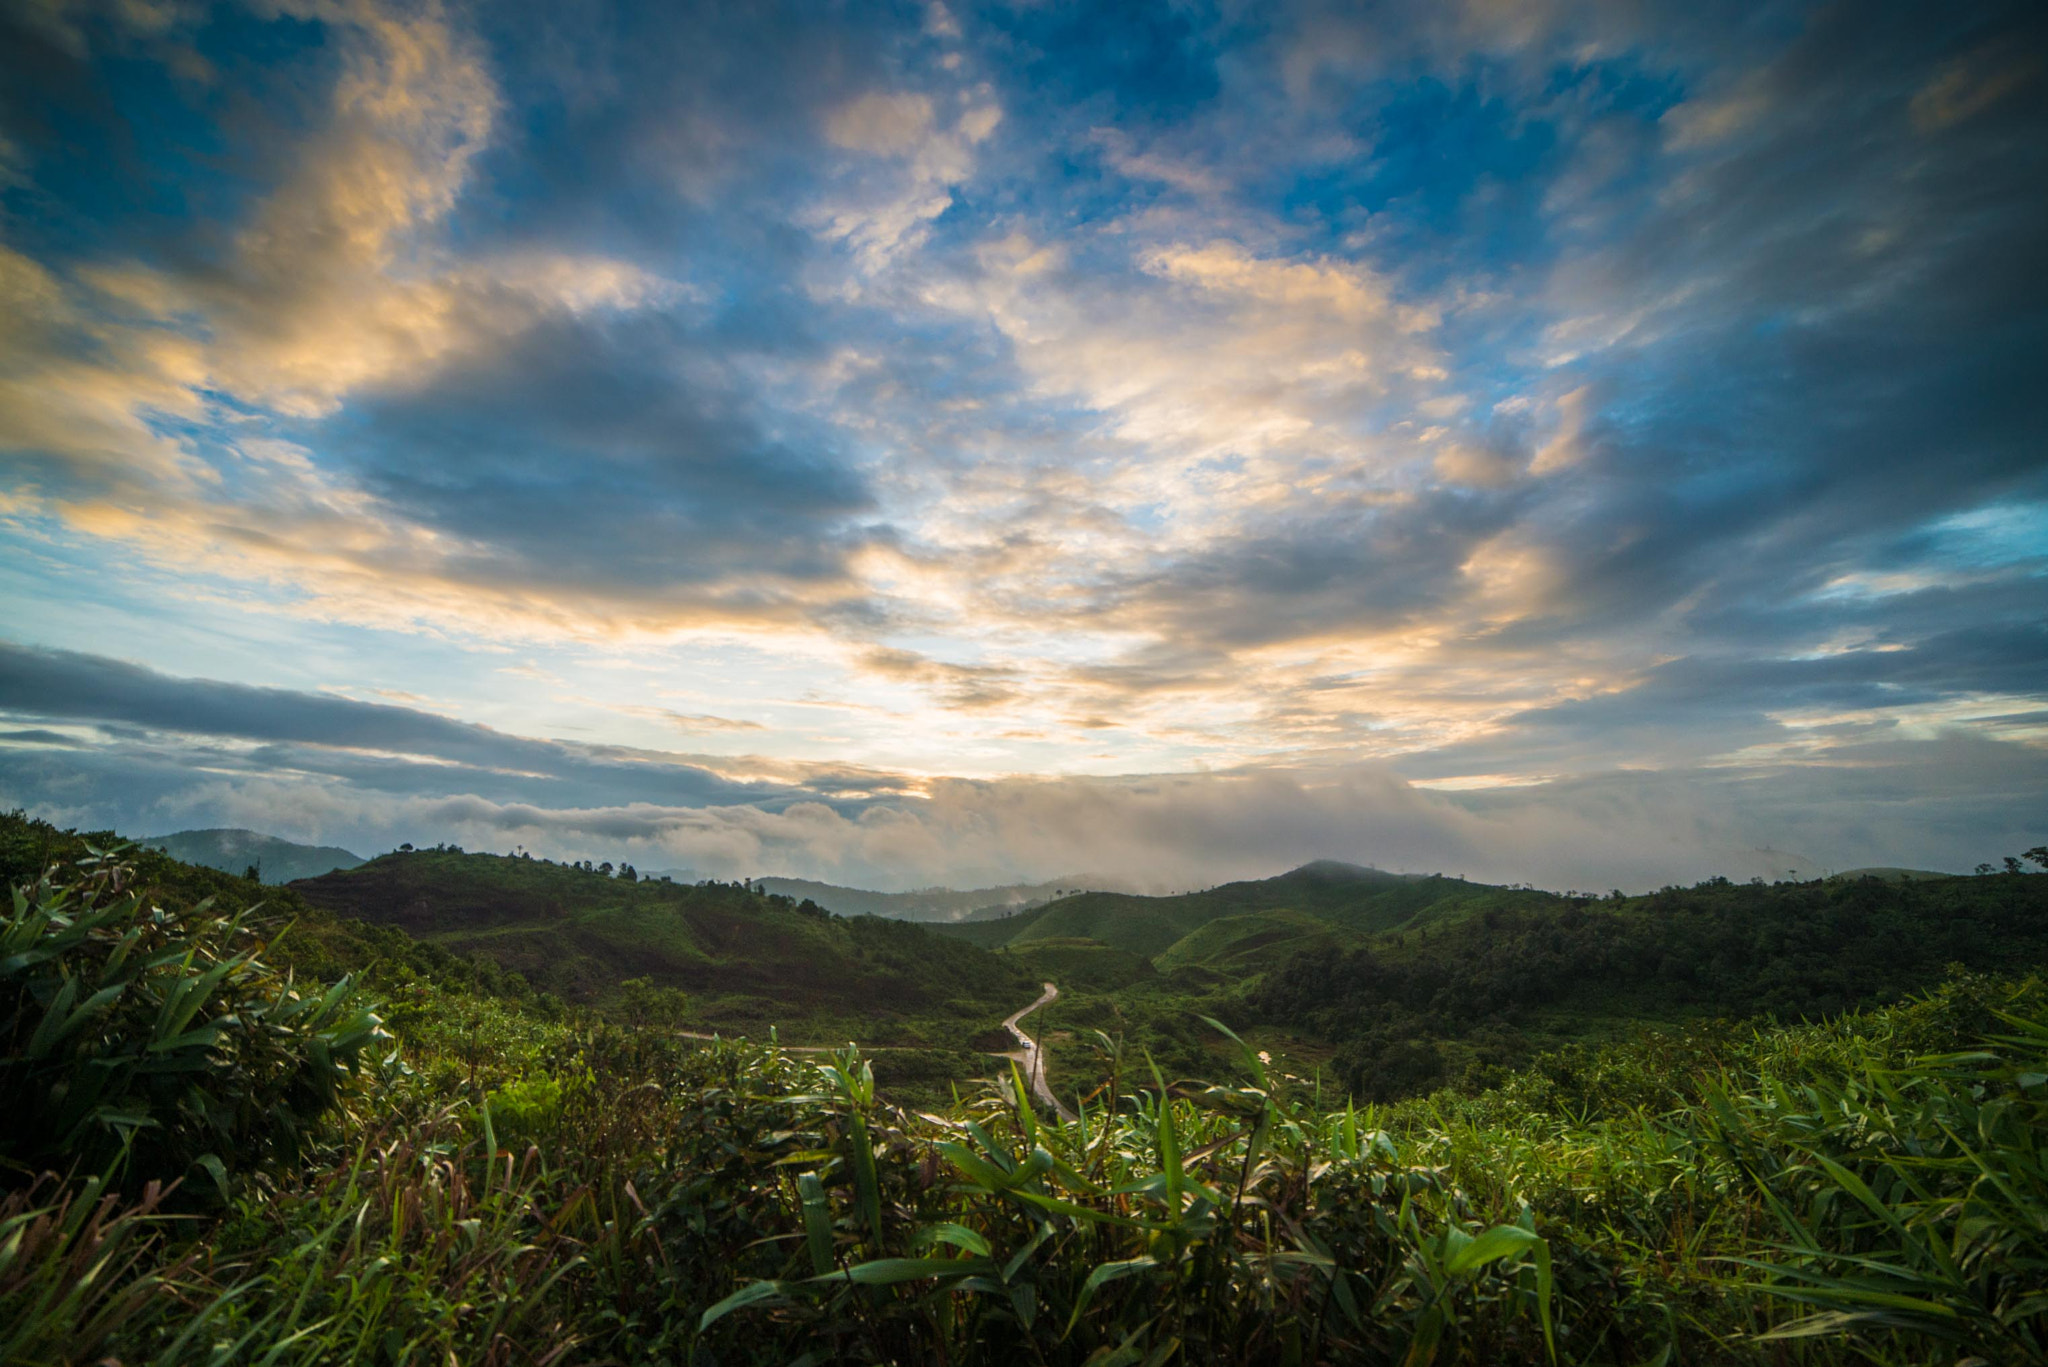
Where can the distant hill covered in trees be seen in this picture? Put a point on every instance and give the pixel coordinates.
(234, 850)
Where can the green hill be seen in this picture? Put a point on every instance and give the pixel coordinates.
(1240, 945)
(1407, 1010)
(1397, 983)
(312, 942)
(1348, 900)
(234, 850)
(530, 930)
(747, 959)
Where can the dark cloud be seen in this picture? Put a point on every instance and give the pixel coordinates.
(39, 737)
(1857, 306)
(1320, 570)
(659, 131)
(148, 718)
(622, 458)
(1691, 709)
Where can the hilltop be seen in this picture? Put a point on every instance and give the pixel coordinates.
(1263, 916)
(232, 849)
(748, 959)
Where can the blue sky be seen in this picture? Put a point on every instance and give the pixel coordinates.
(1581, 443)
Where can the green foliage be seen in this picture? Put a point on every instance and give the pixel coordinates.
(315, 944)
(80, 1270)
(645, 1003)
(1911, 1202)
(747, 960)
(551, 1187)
(1352, 901)
(160, 1040)
(1791, 951)
(1398, 986)
(526, 1111)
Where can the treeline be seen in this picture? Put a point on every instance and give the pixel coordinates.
(1417, 1010)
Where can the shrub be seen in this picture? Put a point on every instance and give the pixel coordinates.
(159, 1041)
(526, 1111)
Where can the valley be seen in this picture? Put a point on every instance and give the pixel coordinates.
(692, 1044)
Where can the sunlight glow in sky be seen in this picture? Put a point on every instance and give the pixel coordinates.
(912, 443)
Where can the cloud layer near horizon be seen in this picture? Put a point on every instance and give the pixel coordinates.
(107, 742)
(1566, 398)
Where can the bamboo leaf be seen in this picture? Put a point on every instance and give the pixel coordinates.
(753, 1293)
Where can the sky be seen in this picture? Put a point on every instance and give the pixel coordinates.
(1578, 443)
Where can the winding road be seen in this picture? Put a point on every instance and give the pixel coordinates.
(1032, 1055)
(1029, 1053)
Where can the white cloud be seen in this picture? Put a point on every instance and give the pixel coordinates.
(1175, 831)
(884, 211)
(881, 123)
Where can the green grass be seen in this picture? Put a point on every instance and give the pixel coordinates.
(1080, 965)
(1239, 947)
(522, 1189)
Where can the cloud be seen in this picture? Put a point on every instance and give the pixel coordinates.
(1971, 84)
(130, 391)
(143, 750)
(963, 686)
(881, 123)
(1501, 393)
(1939, 804)
(884, 212)
(173, 726)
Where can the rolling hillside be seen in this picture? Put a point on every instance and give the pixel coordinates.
(747, 960)
(1410, 1010)
(233, 850)
(1395, 984)
(1326, 900)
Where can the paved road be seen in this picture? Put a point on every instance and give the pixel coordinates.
(1028, 1054)
(1033, 1057)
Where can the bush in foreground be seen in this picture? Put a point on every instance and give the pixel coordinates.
(158, 1044)
(1866, 1191)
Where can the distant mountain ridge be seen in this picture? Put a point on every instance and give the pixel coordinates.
(939, 905)
(232, 849)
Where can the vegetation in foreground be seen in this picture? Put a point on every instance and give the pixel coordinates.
(216, 1163)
